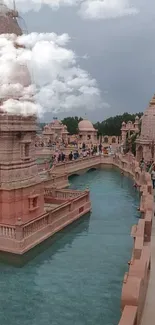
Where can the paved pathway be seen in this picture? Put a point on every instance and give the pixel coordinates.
(149, 309)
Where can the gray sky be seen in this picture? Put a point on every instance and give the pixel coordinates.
(120, 54)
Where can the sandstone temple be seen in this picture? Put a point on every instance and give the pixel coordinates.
(36, 204)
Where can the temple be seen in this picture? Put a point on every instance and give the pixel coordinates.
(129, 128)
(55, 132)
(145, 144)
(37, 204)
(30, 211)
(87, 133)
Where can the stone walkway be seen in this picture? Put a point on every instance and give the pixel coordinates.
(149, 309)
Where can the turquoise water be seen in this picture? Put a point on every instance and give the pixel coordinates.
(78, 279)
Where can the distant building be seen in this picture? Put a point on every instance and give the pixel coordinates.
(87, 133)
(55, 132)
(145, 144)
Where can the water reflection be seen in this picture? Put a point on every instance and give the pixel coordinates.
(52, 245)
(77, 279)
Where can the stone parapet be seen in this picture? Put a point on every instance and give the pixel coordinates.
(135, 281)
(23, 236)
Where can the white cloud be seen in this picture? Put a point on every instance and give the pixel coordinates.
(88, 9)
(105, 9)
(60, 84)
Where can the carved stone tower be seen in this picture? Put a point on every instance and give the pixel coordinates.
(145, 144)
(21, 189)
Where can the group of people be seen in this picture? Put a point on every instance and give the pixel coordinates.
(83, 153)
(149, 166)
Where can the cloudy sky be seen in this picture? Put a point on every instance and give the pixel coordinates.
(114, 44)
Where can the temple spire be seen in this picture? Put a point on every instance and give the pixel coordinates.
(4, 10)
(152, 101)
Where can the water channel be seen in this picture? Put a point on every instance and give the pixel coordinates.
(78, 279)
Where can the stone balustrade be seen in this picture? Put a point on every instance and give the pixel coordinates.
(62, 194)
(81, 164)
(52, 179)
(23, 237)
(135, 281)
(7, 231)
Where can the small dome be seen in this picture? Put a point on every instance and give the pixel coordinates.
(123, 124)
(85, 125)
(137, 118)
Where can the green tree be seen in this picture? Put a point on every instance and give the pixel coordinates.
(112, 125)
(41, 125)
(72, 124)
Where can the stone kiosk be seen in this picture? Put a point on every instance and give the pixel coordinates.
(87, 133)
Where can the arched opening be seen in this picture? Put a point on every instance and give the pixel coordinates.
(73, 176)
(113, 140)
(106, 139)
(91, 170)
(139, 153)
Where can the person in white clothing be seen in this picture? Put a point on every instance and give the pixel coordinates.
(153, 177)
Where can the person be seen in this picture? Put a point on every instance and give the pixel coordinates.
(76, 155)
(70, 156)
(62, 157)
(100, 148)
(83, 146)
(153, 177)
(84, 154)
(142, 164)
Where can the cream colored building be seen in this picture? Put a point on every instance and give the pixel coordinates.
(87, 133)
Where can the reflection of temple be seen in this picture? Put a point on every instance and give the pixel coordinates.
(129, 128)
(55, 132)
(145, 143)
(87, 133)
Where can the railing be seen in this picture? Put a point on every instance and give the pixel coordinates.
(7, 231)
(62, 194)
(136, 279)
(35, 225)
(56, 217)
(81, 163)
(21, 232)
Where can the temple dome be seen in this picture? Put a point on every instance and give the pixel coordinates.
(85, 125)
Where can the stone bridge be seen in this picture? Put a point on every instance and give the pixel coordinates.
(81, 165)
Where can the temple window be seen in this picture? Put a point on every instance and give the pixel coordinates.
(88, 136)
(80, 136)
(25, 150)
(33, 202)
(106, 139)
(113, 140)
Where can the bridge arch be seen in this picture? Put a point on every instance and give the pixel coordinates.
(92, 169)
(73, 175)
